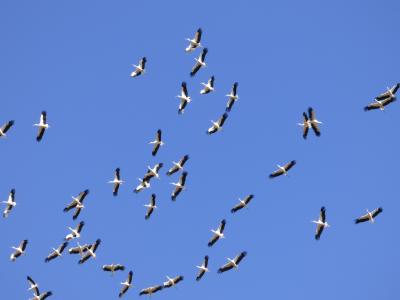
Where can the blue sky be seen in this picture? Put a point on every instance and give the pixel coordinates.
(73, 59)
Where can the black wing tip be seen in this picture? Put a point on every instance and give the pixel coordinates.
(233, 210)
(366, 108)
(356, 221)
(144, 58)
(44, 112)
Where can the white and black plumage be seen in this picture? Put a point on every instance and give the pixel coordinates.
(184, 98)
(75, 232)
(233, 263)
(157, 143)
(179, 186)
(33, 285)
(151, 206)
(56, 252)
(233, 97)
(203, 268)
(80, 249)
(283, 170)
(10, 203)
(310, 121)
(369, 216)
(42, 296)
(151, 290)
(195, 41)
(116, 181)
(217, 126)
(77, 203)
(139, 69)
(178, 165)
(18, 251)
(153, 172)
(200, 62)
(218, 234)
(113, 268)
(91, 252)
(142, 185)
(42, 126)
(126, 285)
(5, 128)
(380, 104)
(172, 281)
(390, 93)
(242, 203)
(321, 223)
(208, 87)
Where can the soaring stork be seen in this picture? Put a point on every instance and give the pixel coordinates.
(321, 223)
(126, 285)
(91, 252)
(42, 296)
(56, 252)
(172, 281)
(199, 62)
(116, 181)
(179, 186)
(10, 203)
(242, 203)
(5, 128)
(151, 206)
(202, 269)
(142, 185)
(283, 170)
(208, 87)
(157, 143)
(178, 165)
(369, 216)
(75, 232)
(219, 233)
(153, 172)
(77, 203)
(42, 126)
(217, 126)
(380, 104)
(33, 285)
(140, 69)
(80, 249)
(184, 98)
(390, 93)
(194, 42)
(18, 251)
(233, 263)
(151, 290)
(233, 97)
(310, 121)
(113, 268)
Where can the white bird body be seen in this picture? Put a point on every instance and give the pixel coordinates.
(208, 87)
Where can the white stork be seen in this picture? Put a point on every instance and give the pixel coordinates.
(5, 128)
(142, 185)
(184, 98)
(140, 69)
(179, 186)
(233, 97)
(242, 203)
(390, 93)
(380, 104)
(80, 249)
(217, 126)
(91, 252)
(77, 203)
(202, 269)
(200, 62)
(369, 216)
(283, 170)
(75, 232)
(151, 290)
(10, 203)
(153, 172)
(18, 251)
(151, 206)
(218, 234)
(157, 143)
(42, 125)
(171, 282)
(56, 252)
(33, 285)
(233, 263)
(194, 42)
(126, 285)
(208, 87)
(178, 165)
(42, 296)
(321, 223)
(310, 121)
(113, 268)
(117, 181)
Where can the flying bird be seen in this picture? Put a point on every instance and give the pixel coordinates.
(91, 252)
(116, 181)
(369, 216)
(42, 296)
(5, 128)
(10, 203)
(33, 285)
(75, 232)
(179, 186)
(380, 104)
(242, 203)
(233, 97)
(77, 203)
(142, 185)
(283, 170)
(151, 290)
(233, 263)
(218, 234)
(184, 98)
(151, 206)
(42, 126)
(203, 268)
(140, 69)
(310, 121)
(217, 126)
(153, 172)
(157, 143)
(208, 87)
(126, 285)
(390, 93)
(321, 223)
(194, 42)
(80, 249)
(113, 268)
(172, 281)
(199, 62)
(18, 251)
(178, 165)
(56, 252)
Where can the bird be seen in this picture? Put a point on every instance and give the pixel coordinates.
(218, 234)
(283, 170)
(153, 172)
(157, 143)
(195, 42)
(80, 249)
(208, 87)
(172, 281)
(390, 93)
(142, 185)
(184, 98)
(116, 181)
(5, 128)
(310, 121)
(91, 252)
(126, 285)
(178, 165)
(233, 263)
(369, 216)
(56, 252)
(217, 126)
(42, 125)
(75, 233)
(233, 97)
(151, 206)
(77, 203)
(33, 285)
(10, 203)
(306, 125)
(179, 186)
(242, 203)
(140, 69)
(380, 104)
(42, 296)
(203, 268)
(321, 223)
(113, 268)
(18, 251)
(151, 290)
(199, 62)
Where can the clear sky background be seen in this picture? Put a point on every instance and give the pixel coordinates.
(73, 59)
